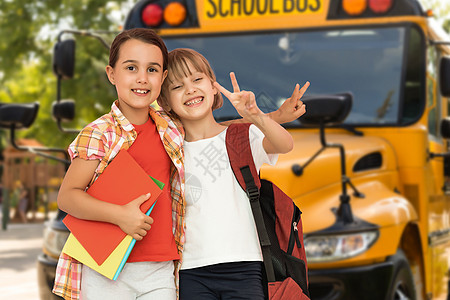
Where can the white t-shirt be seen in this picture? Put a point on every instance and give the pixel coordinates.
(219, 221)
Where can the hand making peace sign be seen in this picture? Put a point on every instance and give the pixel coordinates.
(293, 107)
(243, 101)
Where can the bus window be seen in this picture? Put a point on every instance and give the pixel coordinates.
(414, 91)
(433, 114)
(365, 61)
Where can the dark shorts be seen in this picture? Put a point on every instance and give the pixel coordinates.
(23, 204)
(237, 280)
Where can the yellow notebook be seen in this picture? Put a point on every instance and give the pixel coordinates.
(113, 264)
(109, 267)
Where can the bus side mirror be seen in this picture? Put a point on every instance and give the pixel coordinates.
(17, 116)
(326, 109)
(445, 133)
(444, 76)
(64, 59)
(64, 110)
(445, 128)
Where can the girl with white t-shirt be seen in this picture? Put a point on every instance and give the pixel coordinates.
(221, 257)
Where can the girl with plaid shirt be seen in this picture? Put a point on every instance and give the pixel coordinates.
(137, 67)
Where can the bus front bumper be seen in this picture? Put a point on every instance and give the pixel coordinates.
(46, 269)
(362, 282)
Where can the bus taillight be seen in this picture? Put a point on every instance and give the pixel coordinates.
(152, 15)
(175, 13)
(360, 7)
(162, 14)
(354, 7)
(380, 6)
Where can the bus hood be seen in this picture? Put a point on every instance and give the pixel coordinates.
(370, 164)
(362, 154)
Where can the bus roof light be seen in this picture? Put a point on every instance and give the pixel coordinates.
(152, 15)
(380, 6)
(354, 7)
(175, 13)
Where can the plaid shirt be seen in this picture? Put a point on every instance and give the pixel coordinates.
(103, 139)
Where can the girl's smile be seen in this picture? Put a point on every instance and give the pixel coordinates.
(194, 102)
(140, 91)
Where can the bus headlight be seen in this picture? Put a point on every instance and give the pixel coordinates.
(54, 241)
(325, 248)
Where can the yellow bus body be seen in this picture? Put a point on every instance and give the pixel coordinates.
(405, 197)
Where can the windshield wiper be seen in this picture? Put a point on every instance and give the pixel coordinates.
(352, 130)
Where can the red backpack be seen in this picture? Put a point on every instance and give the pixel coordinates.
(278, 221)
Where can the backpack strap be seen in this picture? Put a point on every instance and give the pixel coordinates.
(240, 152)
(241, 161)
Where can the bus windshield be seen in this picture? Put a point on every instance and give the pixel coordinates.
(364, 61)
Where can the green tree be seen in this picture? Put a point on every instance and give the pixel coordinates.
(441, 11)
(27, 36)
(446, 25)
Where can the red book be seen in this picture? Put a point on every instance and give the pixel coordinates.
(122, 181)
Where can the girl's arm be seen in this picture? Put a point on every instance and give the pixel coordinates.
(23, 193)
(291, 109)
(73, 199)
(277, 139)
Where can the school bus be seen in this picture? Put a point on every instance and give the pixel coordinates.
(370, 163)
(368, 168)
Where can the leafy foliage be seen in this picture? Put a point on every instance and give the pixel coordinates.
(28, 33)
(441, 12)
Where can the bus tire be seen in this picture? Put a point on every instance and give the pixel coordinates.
(402, 285)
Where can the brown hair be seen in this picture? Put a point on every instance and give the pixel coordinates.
(178, 68)
(141, 34)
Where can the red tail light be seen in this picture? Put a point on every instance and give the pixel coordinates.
(152, 15)
(380, 6)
